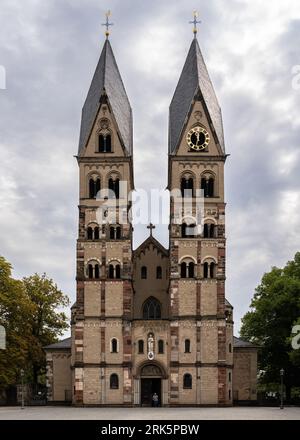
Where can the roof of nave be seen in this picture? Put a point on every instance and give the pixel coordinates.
(107, 81)
(66, 344)
(61, 345)
(194, 78)
(240, 343)
(145, 245)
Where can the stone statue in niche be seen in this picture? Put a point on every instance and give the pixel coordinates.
(150, 346)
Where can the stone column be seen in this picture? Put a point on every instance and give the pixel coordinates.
(165, 392)
(136, 387)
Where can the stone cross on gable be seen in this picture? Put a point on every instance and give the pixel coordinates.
(151, 227)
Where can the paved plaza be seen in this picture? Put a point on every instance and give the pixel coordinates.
(69, 413)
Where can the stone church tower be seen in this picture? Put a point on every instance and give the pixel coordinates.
(101, 332)
(151, 320)
(201, 339)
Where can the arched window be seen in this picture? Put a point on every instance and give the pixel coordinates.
(118, 233)
(104, 143)
(94, 187)
(212, 270)
(96, 233)
(90, 271)
(97, 271)
(111, 271)
(187, 381)
(207, 185)
(206, 230)
(230, 348)
(91, 188)
(160, 346)
(115, 232)
(212, 231)
(187, 346)
(205, 270)
(158, 273)
(211, 184)
(183, 270)
(151, 309)
(187, 187)
(114, 381)
(144, 272)
(141, 346)
(188, 231)
(114, 187)
(191, 270)
(90, 233)
(114, 346)
(187, 269)
(112, 233)
(118, 271)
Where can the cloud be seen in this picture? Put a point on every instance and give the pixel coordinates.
(49, 51)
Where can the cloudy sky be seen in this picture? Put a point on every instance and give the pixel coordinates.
(49, 50)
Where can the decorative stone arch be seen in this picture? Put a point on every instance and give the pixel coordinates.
(208, 173)
(113, 174)
(209, 259)
(187, 174)
(210, 220)
(114, 260)
(151, 369)
(188, 257)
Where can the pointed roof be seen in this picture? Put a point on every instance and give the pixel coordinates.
(194, 78)
(107, 80)
(150, 240)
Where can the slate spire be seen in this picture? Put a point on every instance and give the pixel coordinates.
(194, 79)
(107, 82)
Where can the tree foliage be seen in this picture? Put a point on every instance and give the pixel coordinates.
(274, 310)
(29, 312)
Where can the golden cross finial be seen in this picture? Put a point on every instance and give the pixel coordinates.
(107, 23)
(195, 22)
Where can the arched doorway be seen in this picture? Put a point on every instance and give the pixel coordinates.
(151, 382)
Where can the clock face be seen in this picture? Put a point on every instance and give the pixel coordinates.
(198, 138)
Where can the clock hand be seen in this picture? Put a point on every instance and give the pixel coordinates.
(197, 136)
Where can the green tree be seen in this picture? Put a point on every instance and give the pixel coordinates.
(274, 310)
(29, 312)
(46, 322)
(14, 308)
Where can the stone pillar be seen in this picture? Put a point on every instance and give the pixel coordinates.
(198, 386)
(102, 385)
(165, 392)
(136, 388)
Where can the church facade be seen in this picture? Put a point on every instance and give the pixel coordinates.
(151, 320)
